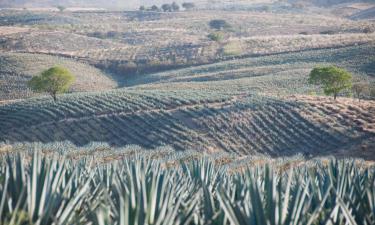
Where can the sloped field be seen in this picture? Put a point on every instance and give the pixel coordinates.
(276, 74)
(210, 121)
(18, 68)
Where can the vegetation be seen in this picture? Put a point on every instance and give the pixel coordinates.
(143, 187)
(61, 8)
(332, 79)
(216, 36)
(186, 117)
(219, 24)
(174, 7)
(360, 90)
(54, 81)
(188, 5)
(16, 69)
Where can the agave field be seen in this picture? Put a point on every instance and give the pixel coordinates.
(99, 185)
(136, 42)
(241, 123)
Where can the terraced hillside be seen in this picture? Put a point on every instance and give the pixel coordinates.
(210, 121)
(18, 68)
(137, 42)
(273, 74)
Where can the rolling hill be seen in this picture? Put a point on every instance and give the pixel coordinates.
(16, 69)
(204, 121)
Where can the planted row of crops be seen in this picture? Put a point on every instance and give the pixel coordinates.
(132, 186)
(241, 124)
(290, 69)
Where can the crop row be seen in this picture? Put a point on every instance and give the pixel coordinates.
(163, 188)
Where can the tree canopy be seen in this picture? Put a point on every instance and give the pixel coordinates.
(53, 81)
(332, 79)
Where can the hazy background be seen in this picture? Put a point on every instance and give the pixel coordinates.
(133, 4)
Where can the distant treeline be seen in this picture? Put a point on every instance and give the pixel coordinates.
(172, 7)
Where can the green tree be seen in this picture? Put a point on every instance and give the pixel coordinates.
(332, 79)
(53, 81)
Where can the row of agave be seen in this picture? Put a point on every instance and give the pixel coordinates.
(44, 189)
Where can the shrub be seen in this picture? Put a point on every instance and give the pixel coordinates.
(175, 7)
(329, 32)
(154, 8)
(368, 30)
(167, 7)
(360, 89)
(216, 36)
(219, 24)
(188, 5)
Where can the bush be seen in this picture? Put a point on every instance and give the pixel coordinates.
(216, 36)
(219, 24)
(175, 7)
(154, 8)
(368, 30)
(188, 5)
(360, 89)
(329, 32)
(372, 90)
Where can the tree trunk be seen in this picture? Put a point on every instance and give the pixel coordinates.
(335, 96)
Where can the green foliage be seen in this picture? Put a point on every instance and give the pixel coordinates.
(188, 5)
(175, 7)
(232, 48)
(154, 8)
(219, 24)
(332, 79)
(166, 187)
(216, 36)
(54, 81)
(166, 7)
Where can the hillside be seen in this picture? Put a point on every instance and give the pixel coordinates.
(16, 69)
(279, 71)
(134, 43)
(205, 121)
(364, 14)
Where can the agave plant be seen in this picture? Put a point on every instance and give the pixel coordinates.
(141, 189)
